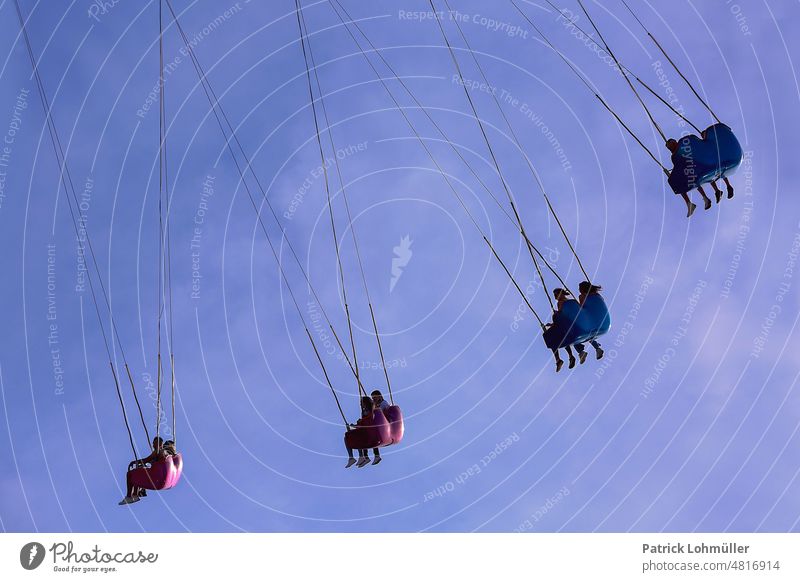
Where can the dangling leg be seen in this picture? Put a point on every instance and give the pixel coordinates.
(728, 184)
(598, 350)
(581, 353)
(350, 459)
(571, 357)
(717, 191)
(377, 454)
(706, 199)
(559, 361)
(690, 206)
(130, 491)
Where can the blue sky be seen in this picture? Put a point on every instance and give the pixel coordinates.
(689, 423)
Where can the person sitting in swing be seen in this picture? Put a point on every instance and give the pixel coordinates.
(169, 448)
(562, 296)
(134, 493)
(586, 289)
(367, 411)
(382, 405)
(677, 161)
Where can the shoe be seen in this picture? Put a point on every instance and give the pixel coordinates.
(692, 208)
(362, 461)
(142, 493)
(350, 462)
(571, 363)
(600, 353)
(377, 460)
(559, 365)
(582, 357)
(730, 191)
(707, 203)
(128, 500)
(718, 195)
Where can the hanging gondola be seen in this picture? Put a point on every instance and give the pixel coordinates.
(578, 323)
(697, 160)
(378, 427)
(573, 323)
(248, 174)
(539, 261)
(162, 472)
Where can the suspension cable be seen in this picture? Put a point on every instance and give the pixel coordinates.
(622, 72)
(518, 143)
(161, 187)
(324, 164)
(489, 147)
(404, 85)
(402, 110)
(124, 412)
(220, 116)
(627, 70)
(351, 224)
(168, 261)
(671, 62)
(590, 88)
(69, 188)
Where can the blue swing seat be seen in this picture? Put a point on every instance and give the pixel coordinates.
(701, 161)
(574, 324)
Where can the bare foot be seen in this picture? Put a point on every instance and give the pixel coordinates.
(692, 208)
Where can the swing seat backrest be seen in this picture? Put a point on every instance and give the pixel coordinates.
(177, 462)
(396, 427)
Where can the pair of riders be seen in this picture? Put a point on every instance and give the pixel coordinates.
(562, 296)
(368, 407)
(673, 146)
(161, 450)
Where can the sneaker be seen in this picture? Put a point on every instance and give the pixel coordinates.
(582, 357)
(692, 208)
(350, 462)
(377, 460)
(128, 500)
(571, 363)
(362, 461)
(559, 365)
(600, 353)
(718, 195)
